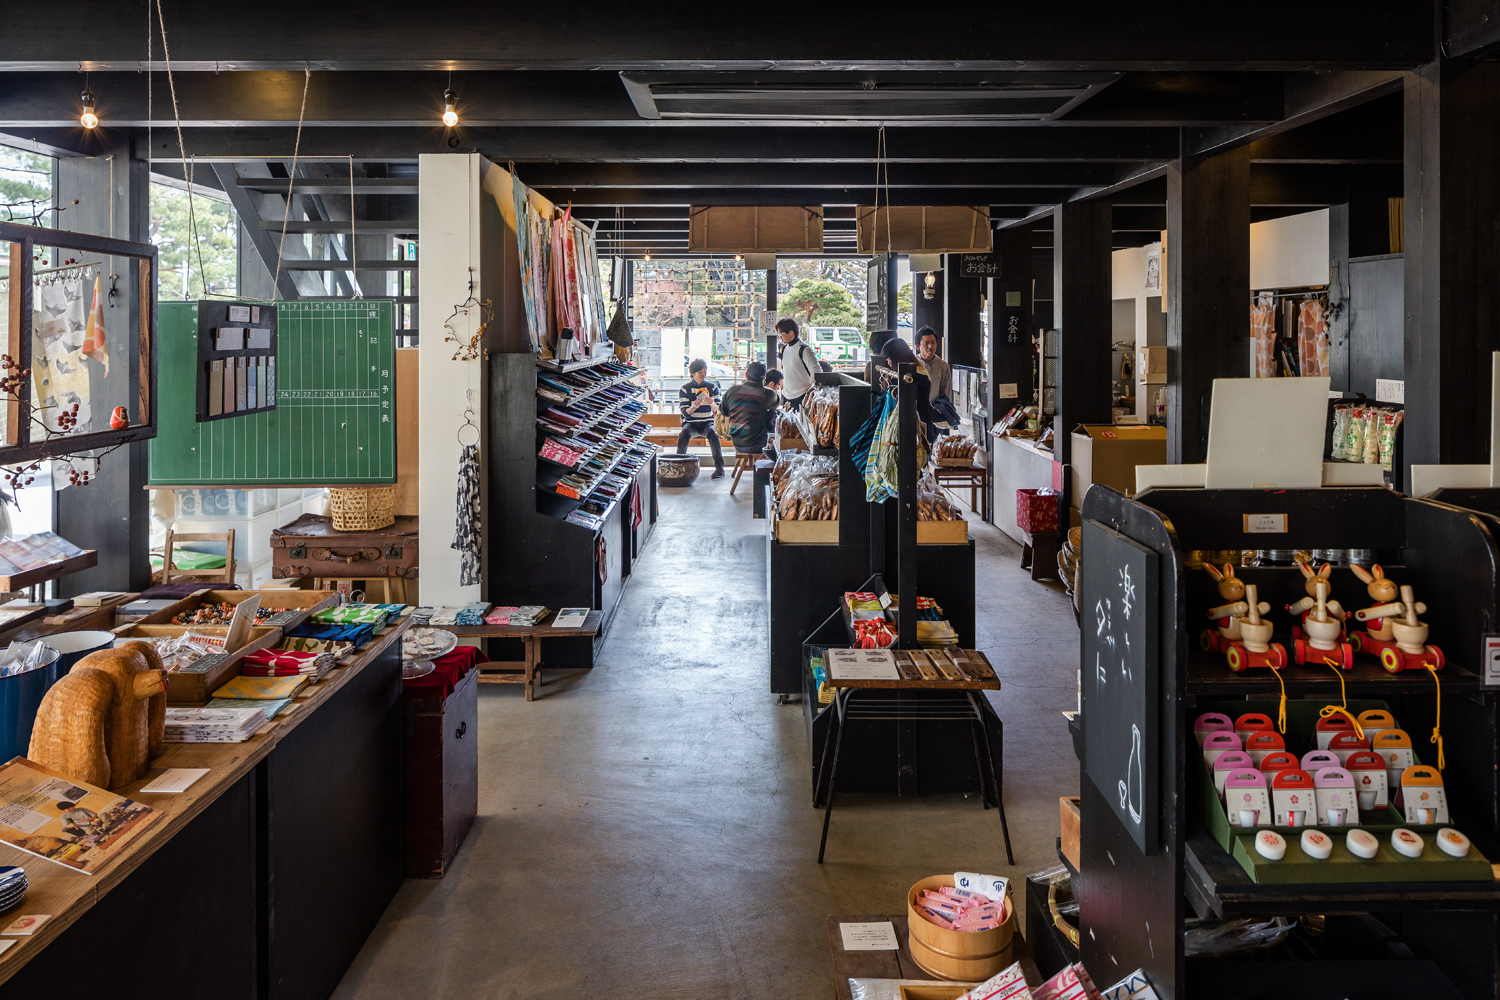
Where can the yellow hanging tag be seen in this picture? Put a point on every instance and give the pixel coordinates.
(1437, 729)
(1343, 709)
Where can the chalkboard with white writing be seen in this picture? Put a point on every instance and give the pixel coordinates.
(1120, 664)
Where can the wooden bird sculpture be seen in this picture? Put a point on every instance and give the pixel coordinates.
(102, 722)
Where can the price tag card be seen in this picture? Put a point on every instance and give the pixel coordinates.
(1489, 660)
(879, 936)
(993, 886)
(862, 665)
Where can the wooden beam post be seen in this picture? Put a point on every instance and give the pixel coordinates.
(1452, 247)
(931, 312)
(1012, 356)
(1208, 291)
(1081, 244)
(962, 334)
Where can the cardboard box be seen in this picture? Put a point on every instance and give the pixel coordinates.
(1107, 454)
(1151, 365)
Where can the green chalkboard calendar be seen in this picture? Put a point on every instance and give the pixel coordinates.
(334, 421)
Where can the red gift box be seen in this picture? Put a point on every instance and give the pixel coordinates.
(1036, 512)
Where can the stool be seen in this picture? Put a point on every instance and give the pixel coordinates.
(1039, 554)
(743, 463)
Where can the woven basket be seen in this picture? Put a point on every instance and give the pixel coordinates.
(366, 508)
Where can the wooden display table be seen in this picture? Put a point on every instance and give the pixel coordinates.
(899, 964)
(528, 670)
(246, 851)
(974, 478)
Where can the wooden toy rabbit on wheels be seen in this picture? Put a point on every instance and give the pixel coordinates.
(1243, 636)
(1396, 636)
(1321, 635)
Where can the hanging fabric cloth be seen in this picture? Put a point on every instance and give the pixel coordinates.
(1263, 335)
(1312, 337)
(466, 528)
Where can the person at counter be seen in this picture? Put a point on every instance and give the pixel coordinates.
(799, 363)
(939, 372)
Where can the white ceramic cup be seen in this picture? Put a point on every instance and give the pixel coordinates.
(1367, 800)
(1426, 816)
(1294, 817)
(1335, 817)
(1249, 816)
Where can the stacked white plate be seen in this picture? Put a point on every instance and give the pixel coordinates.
(12, 886)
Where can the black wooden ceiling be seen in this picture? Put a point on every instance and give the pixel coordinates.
(637, 111)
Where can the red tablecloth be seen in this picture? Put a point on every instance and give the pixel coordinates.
(447, 671)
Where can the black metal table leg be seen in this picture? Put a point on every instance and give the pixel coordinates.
(833, 724)
(840, 702)
(984, 788)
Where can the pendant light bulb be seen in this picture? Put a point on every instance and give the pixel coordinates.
(450, 109)
(89, 119)
(648, 256)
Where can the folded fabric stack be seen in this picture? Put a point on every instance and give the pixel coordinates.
(421, 616)
(932, 635)
(444, 616)
(522, 617)
(340, 651)
(471, 614)
(271, 706)
(356, 614)
(355, 635)
(212, 725)
(262, 688)
(287, 663)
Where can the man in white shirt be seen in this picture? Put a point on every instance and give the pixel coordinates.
(938, 370)
(799, 364)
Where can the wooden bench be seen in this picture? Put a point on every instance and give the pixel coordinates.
(666, 427)
(528, 670)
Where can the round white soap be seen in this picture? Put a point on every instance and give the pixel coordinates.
(1452, 842)
(1362, 844)
(1270, 845)
(1316, 845)
(1407, 843)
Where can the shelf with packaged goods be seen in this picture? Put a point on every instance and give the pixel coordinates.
(1218, 888)
(592, 423)
(586, 457)
(593, 484)
(1208, 674)
(552, 365)
(550, 472)
(579, 397)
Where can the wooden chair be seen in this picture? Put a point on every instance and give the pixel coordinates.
(743, 463)
(224, 574)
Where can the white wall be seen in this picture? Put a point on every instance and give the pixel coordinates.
(448, 216)
(1290, 251)
(1128, 281)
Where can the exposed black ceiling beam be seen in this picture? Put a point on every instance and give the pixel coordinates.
(578, 176)
(1368, 133)
(1470, 28)
(1312, 185)
(1186, 99)
(671, 144)
(1139, 217)
(805, 196)
(1229, 34)
(1310, 97)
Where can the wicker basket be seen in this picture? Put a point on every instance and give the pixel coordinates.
(366, 508)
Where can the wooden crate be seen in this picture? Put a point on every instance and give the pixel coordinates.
(1070, 817)
(297, 605)
(957, 463)
(807, 532)
(195, 684)
(942, 532)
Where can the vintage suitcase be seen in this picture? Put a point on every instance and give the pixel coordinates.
(309, 546)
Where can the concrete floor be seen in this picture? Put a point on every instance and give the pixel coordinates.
(645, 829)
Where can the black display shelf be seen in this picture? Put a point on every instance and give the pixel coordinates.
(1217, 887)
(1383, 937)
(531, 554)
(579, 397)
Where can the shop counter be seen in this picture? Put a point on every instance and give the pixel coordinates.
(1016, 464)
(263, 879)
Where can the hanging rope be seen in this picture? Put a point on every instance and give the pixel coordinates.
(1329, 710)
(1437, 727)
(292, 180)
(187, 171)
